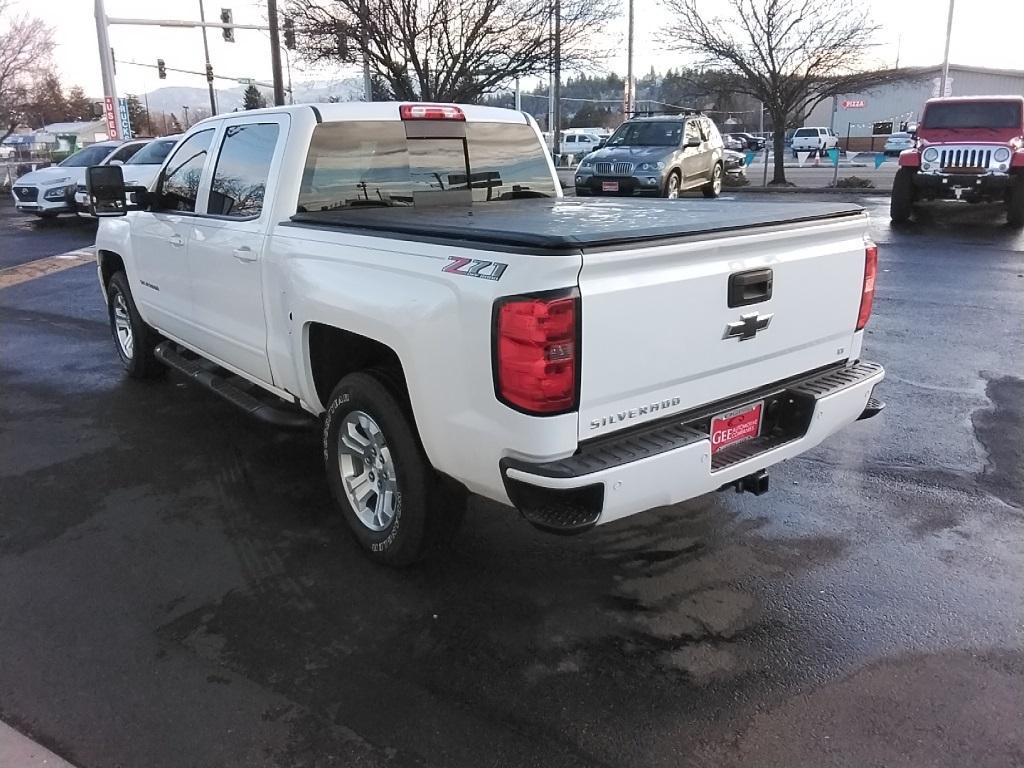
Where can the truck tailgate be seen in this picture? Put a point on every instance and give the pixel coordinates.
(659, 336)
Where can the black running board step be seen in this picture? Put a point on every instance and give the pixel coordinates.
(873, 408)
(197, 370)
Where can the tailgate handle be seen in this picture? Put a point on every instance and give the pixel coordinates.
(751, 287)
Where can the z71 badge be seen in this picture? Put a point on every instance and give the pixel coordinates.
(488, 270)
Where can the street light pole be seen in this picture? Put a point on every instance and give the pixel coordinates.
(945, 57)
(629, 107)
(364, 44)
(106, 65)
(558, 75)
(209, 68)
(275, 53)
(185, 108)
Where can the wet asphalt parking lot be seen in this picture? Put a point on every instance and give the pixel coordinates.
(176, 589)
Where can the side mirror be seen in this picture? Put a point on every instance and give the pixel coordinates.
(601, 143)
(104, 185)
(693, 141)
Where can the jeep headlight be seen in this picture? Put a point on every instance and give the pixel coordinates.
(659, 166)
(1001, 155)
(931, 154)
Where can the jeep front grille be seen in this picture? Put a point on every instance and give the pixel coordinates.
(616, 169)
(965, 158)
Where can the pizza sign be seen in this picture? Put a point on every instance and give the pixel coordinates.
(854, 103)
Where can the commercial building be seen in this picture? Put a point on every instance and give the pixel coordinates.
(863, 116)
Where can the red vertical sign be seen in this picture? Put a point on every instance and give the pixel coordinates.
(110, 112)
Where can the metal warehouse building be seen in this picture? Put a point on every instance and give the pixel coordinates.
(857, 115)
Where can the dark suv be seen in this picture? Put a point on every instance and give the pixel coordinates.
(662, 155)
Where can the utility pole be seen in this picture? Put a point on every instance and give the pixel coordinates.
(107, 71)
(185, 109)
(945, 57)
(209, 67)
(275, 53)
(628, 106)
(557, 90)
(364, 44)
(519, 97)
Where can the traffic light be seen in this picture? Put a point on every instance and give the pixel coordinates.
(209, 73)
(225, 18)
(289, 33)
(161, 69)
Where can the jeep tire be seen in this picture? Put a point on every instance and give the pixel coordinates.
(1015, 202)
(901, 203)
(375, 462)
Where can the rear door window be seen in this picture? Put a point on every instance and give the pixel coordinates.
(179, 186)
(243, 167)
(693, 130)
(372, 163)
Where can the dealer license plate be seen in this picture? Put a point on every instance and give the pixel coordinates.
(736, 426)
(609, 186)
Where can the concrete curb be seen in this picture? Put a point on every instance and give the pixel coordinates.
(880, 191)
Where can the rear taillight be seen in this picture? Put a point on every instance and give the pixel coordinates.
(431, 112)
(867, 296)
(536, 353)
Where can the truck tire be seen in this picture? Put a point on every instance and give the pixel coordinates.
(1015, 202)
(901, 203)
(133, 339)
(714, 187)
(396, 505)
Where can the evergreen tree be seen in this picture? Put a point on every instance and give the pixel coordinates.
(138, 116)
(253, 99)
(79, 107)
(46, 102)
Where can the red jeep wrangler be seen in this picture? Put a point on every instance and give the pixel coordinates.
(968, 148)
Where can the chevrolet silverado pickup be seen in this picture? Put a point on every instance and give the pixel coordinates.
(409, 280)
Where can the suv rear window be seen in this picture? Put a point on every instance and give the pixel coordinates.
(972, 114)
(372, 163)
(807, 132)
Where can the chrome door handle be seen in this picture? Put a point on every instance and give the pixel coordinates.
(245, 253)
(176, 241)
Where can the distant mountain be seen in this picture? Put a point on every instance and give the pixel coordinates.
(173, 98)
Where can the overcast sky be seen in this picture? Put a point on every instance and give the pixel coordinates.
(983, 35)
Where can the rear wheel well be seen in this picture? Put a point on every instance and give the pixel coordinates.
(334, 353)
(110, 264)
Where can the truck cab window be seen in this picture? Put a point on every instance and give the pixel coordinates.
(243, 166)
(179, 185)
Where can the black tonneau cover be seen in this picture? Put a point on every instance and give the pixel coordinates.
(573, 223)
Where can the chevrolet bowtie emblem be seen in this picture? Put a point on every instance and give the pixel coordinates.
(747, 326)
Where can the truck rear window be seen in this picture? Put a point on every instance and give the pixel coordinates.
(372, 163)
(972, 114)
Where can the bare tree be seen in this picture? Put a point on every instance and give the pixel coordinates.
(789, 54)
(449, 50)
(25, 47)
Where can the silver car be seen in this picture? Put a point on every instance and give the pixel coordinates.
(662, 155)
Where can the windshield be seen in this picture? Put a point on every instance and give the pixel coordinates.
(153, 153)
(370, 163)
(647, 134)
(900, 136)
(972, 114)
(93, 155)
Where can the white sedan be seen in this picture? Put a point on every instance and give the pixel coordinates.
(897, 142)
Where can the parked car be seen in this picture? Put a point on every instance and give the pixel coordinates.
(756, 143)
(662, 155)
(968, 148)
(140, 169)
(579, 360)
(49, 192)
(735, 162)
(897, 142)
(817, 141)
(579, 143)
(734, 142)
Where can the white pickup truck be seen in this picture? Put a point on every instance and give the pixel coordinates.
(410, 280)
